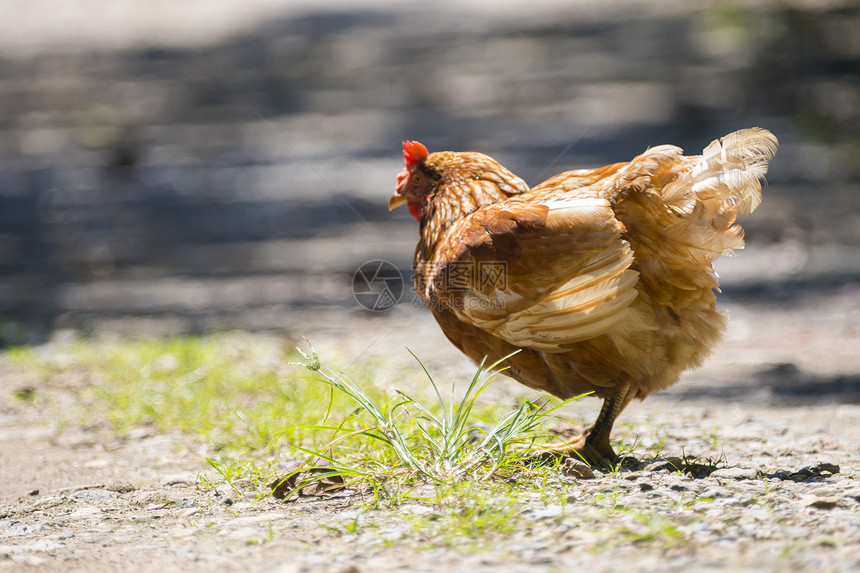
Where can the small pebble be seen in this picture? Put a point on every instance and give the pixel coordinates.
(825, 491)
(714, 492)
(547, 512)
(671, 464)
(415, 509)
(735, 473)
(577, 469)
(825, 503)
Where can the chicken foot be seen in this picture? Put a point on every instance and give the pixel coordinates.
(593, 445)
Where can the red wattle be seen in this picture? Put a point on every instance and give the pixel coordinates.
(414, 209)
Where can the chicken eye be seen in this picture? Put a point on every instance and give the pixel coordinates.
(416, 179)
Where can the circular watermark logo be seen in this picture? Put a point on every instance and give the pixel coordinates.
(377, 285)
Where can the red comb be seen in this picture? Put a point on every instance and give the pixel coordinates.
(413, 152)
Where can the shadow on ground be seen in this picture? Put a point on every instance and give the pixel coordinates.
(160, 183)
(779, 385)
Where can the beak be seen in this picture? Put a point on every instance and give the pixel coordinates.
(396, 200)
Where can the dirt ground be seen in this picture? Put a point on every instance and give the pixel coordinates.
(179, 86)
(780, 400)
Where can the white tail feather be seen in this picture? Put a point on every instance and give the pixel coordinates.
(733, 166)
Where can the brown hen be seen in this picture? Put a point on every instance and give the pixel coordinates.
(602, 279)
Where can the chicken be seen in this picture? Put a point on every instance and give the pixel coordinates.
(601, 280)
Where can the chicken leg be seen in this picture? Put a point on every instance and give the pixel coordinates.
(593, 445)
(597, 446)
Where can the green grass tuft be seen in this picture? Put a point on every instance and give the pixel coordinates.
(439, 442)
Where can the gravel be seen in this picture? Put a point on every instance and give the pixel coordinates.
(755, 486)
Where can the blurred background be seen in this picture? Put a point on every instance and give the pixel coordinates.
(176, 167)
